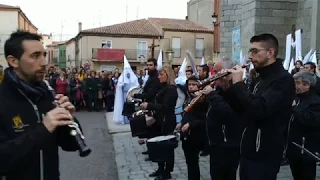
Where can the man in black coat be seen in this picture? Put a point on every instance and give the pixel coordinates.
(31, 127)
(152, 85)
(224, 128)
(304, 127)
(150, 90)
(266, 110)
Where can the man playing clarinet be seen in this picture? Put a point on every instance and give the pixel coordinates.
(266, 109)
(31, 127)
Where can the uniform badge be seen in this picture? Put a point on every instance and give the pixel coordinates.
(18, 124)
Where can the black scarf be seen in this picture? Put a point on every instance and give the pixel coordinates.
(32, 91)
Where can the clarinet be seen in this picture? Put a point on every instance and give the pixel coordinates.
(75, 130)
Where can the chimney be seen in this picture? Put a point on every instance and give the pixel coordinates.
(187, 18)
(80, 26)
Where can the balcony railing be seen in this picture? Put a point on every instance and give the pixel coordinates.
(131, 54)
(199, 53)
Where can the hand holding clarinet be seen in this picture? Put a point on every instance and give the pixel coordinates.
(61, 116)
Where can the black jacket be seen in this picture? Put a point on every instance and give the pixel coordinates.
(27, 149)
(266, 112)
(304, 127)
(151, 88)
(164, 106)
(317, 87)
(196, 118)
(224, 126)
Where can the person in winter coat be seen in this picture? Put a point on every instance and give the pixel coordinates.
(304, 127)
(62, 84)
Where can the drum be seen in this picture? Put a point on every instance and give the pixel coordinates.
(161, 147)
(139, 122)
(131, 104)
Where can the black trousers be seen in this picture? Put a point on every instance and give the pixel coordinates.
(191, 152)
(302, 170)
(109, 102)
(224, 162)
(92, 100)
(262, 170)
(168, 165)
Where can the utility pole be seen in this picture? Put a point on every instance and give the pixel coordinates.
(99, 18)
(137, 11)
(126, 10)
(61, 30)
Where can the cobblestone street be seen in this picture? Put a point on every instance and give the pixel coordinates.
(132, 166)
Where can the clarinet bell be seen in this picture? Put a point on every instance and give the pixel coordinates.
(84, 150)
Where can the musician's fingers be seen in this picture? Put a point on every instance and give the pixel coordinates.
(63, 117)
(63, 99)
(231, 70)
(69, 106)
(238, 67)
(58, 96)
(63, 123)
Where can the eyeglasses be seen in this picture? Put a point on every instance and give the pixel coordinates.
(256, 51)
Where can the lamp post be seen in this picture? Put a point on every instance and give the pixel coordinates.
(141, 59)
(170, 54)
(215, 19)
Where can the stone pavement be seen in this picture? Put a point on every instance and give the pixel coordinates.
(132, 166)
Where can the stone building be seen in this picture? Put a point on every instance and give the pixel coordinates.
(272, 16)
(200, 11)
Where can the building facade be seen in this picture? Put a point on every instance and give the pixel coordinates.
(103, 48)
(71, 54)
(200, 11)
(12, 18)
(273, 16)
(46, 40)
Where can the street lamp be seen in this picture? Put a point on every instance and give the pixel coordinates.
(141, 59)
(170, 54)
(215, 19)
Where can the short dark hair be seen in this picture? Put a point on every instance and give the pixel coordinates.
(312, 65)
(299, 61)
(269, 40)
(192, 78)
(152, 60)
(13, 46)
(205, 68)
(189, 71)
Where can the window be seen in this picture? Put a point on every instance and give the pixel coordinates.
(106, 44)
(142, 50)
(199, 48)
(176, 47)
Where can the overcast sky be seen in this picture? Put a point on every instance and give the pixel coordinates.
(50, 15)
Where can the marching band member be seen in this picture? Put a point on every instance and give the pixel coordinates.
(150, 89)
(266, 110)
(193, 130)
(304, 128)
(203, 71)
(164, 106)
(224, 129)
(152, 85)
